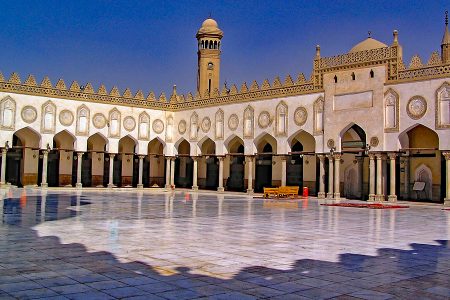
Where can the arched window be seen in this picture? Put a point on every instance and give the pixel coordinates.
(8, 113)
(219, 46)
(206, 44)
(372, 74)
(194, 126)
(318, 116)
(443, 106)
(82, 120)
(215, 44)
(114, 123)
(335, 79)
(169, 129)
(211, 44)
(353, 76)
(281, 119)
(203, 44)
(391, 111)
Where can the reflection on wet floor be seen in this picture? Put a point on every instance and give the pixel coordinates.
(184, 246)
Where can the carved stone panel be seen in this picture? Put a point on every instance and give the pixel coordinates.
(416, 107)
(29, 114)
(158, 126)
(264, 119)
(233, 122)
(129, 123)
(66, 117)
(206, 124)
(99, 120)
(182, 127)
(300, 116)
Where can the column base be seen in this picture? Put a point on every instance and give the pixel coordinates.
(392, 198)
(44, 185)
(220, 189)
(447, 202)
(167, 186)
(379, 198)
(140, 186)
(330, 195)
(79, 185)
(371, 198)
(337, 196)
(250, 191)
(110, 185)
(195, 188)
(321, 195)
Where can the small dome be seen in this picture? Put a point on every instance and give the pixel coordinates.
(367, 44)
(210, 23)
(210, 27)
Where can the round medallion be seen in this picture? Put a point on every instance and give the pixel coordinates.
(129, 123)
(300, 116)
(158, 126)
(330, 143)
(66, 117)
(233, 122)
(29, 114)
(374, 141)
(206, 124)
(264, 119)
(99, 120)
(416, 107)
(182, 127)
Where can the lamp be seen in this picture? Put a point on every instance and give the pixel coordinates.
(48, 147)
(366, 149)
(332, 150)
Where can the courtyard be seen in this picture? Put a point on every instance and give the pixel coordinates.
(67, 244)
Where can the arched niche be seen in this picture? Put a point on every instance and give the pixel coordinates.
(281, 120)
(114, 123)
(144, 126)
(219, 124)
(391, 111)
(318, 116)
(443, 106)
(248, 122)
(7, 113)
(83, 114)
(48, 121)
(193, 132)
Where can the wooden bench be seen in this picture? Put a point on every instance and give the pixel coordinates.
(288, 191)
(268, 192)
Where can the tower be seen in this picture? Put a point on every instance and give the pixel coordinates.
(445, 45)
(208, 37)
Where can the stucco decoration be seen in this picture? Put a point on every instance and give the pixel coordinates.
(144, 126)
(206, 124)
(182, 127)
(300, 116)
(48, 117)
(114, 123)
(330, 143)
(443, 106)
(318, 116)
(374, 141)
(248, 122)
(99, 120)
(219, 124)
(281, 120)
(8, 113)
(416, 107)
(233, 122)
(129, 123)
(83, 120)
(158, 126)
(169, 129)
(66, 117)
(264, 119)
(29, 114)
(193, 127)
(391, 111)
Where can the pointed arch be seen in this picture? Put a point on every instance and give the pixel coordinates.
(412, 137)
(64, 140)
(443, 106)
(249, 122)
(207, 146)
(353, 136)
(232, 143)
(144, 126)
(83, 120)
(48, 117)
(156, 146)
(424, 174)
(281, 120)
(318, 108)
(114, 123)
(97, 142)
(219, 121)
(264, 138)
(127, 144)
(304, 138)
(28, 137)
(391, 111)
(7, 113)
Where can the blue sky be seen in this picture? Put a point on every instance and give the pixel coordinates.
(151, 45)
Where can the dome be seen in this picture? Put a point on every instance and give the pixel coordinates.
(367, 44)
(209, 27)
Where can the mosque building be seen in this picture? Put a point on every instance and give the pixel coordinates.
(363, 126)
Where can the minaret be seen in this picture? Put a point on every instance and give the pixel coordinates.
(208, 37)
(445, 45)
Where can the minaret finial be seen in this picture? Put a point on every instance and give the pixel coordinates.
(369, 33)
(210, 15)
(446, 18)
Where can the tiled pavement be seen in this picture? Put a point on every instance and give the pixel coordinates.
(130, 245)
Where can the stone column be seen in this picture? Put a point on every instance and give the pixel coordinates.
(337, 180)
(250, 174)
(172, 171)
(79, 165)
(379, 193)
(111, 170)
(330, 176)
(220, 187)
(447, 170)
(3, 171)
(392, 196)
(283, 170)
(44, 169)
(141, 171)
(195, 174)
(167, 185)
(372, 177)
(321, 193)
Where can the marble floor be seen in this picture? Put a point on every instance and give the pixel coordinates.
(155, 245)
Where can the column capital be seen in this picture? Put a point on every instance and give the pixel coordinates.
(329, 156)
(4, 150)
(337, 156)
(446, 155)
(220, 158)
(195, 158)
(392, 155)
(44, 151)
(371, 155)
(142, 156)
(321, 156)
(80, 153)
